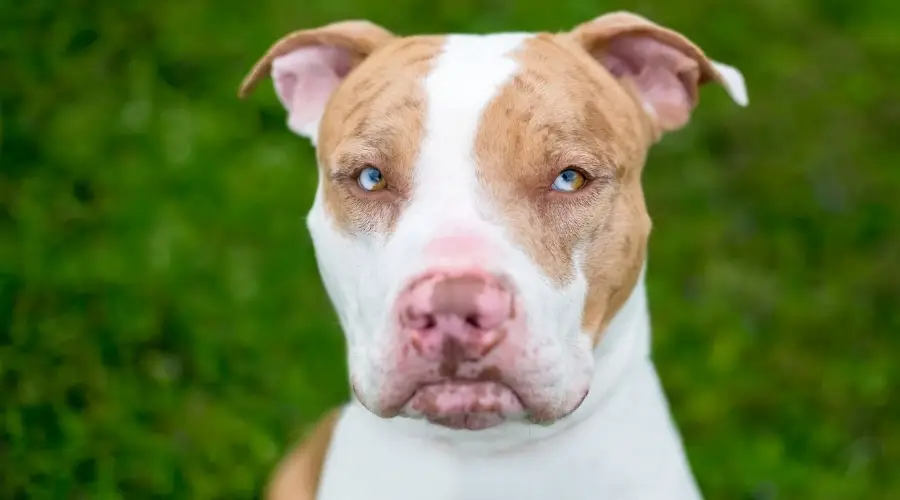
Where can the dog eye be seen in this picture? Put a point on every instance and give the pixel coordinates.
(371, 179)
(569, 181)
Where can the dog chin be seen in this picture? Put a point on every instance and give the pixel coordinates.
(466, 405)
(471, 405)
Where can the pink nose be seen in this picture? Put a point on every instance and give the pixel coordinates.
(460, 313)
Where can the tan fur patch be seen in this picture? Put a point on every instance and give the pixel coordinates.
(375, 118)
(563, 110)
(297, 476)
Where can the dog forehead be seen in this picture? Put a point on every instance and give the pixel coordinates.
(468, 74)
(514, 88)
(415, 88)
(443, 85)
(503, 77)
(449, 79)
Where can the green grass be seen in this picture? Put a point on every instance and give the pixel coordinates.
(163, 330)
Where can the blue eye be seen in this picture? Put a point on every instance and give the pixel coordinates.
(569, 181)
(371, 179)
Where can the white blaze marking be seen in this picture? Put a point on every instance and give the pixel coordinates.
(466, 77)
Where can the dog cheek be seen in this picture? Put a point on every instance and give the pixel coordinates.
(363, 373)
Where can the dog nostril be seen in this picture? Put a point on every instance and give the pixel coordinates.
(419, 320)
(464, 304)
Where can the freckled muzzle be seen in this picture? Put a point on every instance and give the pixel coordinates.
(465, 405)
(459, 337)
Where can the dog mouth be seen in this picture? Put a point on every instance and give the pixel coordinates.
(458, 404)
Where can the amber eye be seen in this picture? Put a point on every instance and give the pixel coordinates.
(569, 181)
(371, 179)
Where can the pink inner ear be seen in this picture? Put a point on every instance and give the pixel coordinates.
(304, 81)
(665, 78)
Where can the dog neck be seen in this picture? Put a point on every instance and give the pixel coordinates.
(625, 345)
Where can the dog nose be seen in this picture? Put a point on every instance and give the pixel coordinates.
(463, 312)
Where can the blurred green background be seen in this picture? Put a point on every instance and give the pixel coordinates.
(163, 330)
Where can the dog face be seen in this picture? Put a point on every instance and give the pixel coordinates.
(479, 217)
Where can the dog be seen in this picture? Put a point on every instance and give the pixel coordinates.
(481, 230)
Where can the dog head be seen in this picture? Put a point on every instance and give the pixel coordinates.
(479, 217)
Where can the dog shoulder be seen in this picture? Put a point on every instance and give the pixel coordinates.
(297, 476)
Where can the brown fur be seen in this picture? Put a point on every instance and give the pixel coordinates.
(375, 118)
(297, 476)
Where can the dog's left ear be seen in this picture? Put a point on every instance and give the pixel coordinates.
(663, 67)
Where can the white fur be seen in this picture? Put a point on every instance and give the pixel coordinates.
(619, 444)
(733, 81)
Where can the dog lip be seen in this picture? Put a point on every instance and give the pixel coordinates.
(486, 377)
(461, 403)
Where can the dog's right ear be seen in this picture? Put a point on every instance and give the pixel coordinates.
(308, 65)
